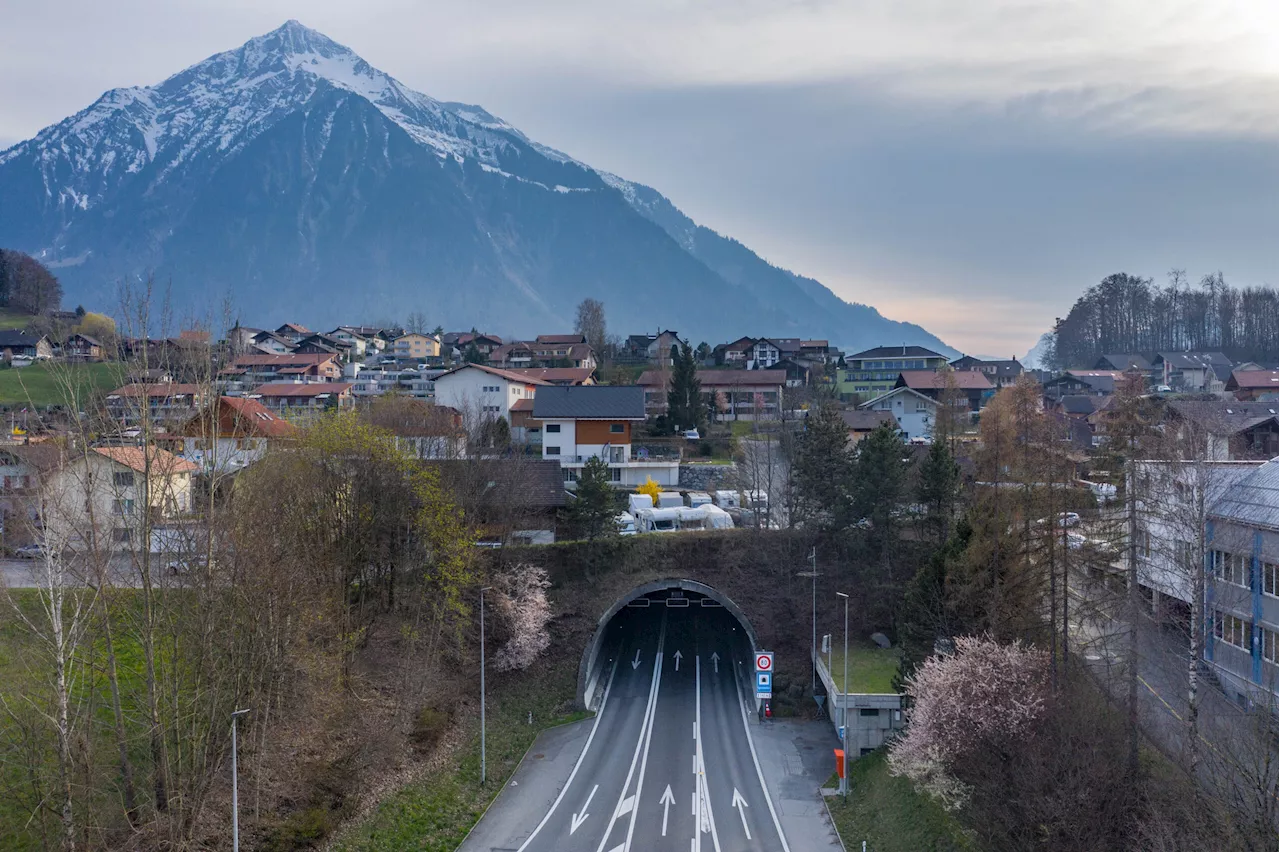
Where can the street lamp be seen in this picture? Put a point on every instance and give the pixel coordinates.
(235, 786)
(813, 652)
(482, 754)
(844, 701)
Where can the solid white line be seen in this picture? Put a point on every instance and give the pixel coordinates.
(648, 737)
(704, 791)
(645, 723)
(768, 800)
(604, 701)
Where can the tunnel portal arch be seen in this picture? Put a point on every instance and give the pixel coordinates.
(589, 668)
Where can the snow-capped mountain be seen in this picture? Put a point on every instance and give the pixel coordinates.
(305, 183)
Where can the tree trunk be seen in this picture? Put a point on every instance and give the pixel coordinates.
(117, 713)
(1131, 500)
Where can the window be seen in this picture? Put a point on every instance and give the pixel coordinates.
(1268, 645)
(553, 428)
(1269, 576)
(615, 474)
(122, 507)
(1231, 568)
(122, 479)
(570, 474)
(553, 451)
(1232, 630)
(868, 711)
(616, 429)
(122, 535)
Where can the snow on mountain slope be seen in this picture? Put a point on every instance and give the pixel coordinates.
(282, 162)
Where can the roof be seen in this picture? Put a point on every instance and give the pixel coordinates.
(509, 375)
(556, 375)
(155, 389)
(901, 389)
(896, 352)
(86, 338)
(859, 420)
(930, 380)
(722, 378)
(283, 359)
(1123, 361)
(295, 389)
(1254, 499)
(1224, 417)
(561, 338)
(590, 402)
(814, 344)
(1080, 404)
(1193, 360)
(522, 405)
(295, 328)
(255, 418)
(162, 461)
(520, 483)
(1255, 379)
(18, 337)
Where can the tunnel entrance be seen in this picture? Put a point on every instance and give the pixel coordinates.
(647, 601)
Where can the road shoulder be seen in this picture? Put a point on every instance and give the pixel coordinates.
(796, 759)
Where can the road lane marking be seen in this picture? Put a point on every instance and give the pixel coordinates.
(625, 806)
(706, 818)
(741, 803)
(666, 801)
(768, 800)
(604, 701)
(648, 737)
(677, 658)
(635, 664)
(573, 825)
(646, 725)
(715, 661)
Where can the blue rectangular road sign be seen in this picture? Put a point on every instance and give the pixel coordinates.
(764, 684)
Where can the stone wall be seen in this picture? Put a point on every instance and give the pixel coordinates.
(707, 477)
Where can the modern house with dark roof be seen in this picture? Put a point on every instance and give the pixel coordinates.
(22, 344)
(1124, 361)
(732, 394)
(1191, 371)
(580, 422)
(872, 372)
(969, 384)
(1001, 374)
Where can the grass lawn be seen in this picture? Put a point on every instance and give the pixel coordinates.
(887, 812)
(433, 815)
(41, 384)
(871, 668)
(14, 319)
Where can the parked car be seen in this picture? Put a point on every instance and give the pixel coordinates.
(30, 551)
(692, 435)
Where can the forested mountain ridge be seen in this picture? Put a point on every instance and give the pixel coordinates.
(1127, 314)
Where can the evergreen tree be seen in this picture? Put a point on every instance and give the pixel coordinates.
(594, 505)
(925, 615)
(684, 399)
(937, 489)
(473, 355)
(822, 472)
(879, 486)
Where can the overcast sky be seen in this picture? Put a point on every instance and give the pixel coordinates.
(971, 166)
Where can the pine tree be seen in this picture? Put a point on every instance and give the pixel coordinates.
(822, 472)
(594, 508)
(879, 486)
(684, 399)
(937, 489)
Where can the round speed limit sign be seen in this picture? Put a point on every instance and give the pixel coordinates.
(764, 662)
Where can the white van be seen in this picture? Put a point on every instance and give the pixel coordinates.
(626, 523)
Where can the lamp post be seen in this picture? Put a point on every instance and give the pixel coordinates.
(235, 786)
(813, 573)
(482, 754)
(844, 701)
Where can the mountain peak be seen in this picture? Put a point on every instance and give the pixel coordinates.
(293, 38)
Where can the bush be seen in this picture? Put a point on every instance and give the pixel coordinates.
(705, 449)
(301, 830)
(428, 728)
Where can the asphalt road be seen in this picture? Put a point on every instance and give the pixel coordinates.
(669, 763)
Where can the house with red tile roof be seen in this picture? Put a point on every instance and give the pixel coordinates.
(1249, 385)
(228, 435)
(300, 402)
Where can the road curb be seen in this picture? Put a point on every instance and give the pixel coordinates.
(834, 828)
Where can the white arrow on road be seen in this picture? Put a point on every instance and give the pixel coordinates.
(677, 655)
(666, 801)
(635, 664)
(715, 659)
(740, 803)
(577, 821)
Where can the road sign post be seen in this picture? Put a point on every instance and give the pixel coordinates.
(764, 675)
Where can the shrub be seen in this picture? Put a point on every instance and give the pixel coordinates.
(428, 728)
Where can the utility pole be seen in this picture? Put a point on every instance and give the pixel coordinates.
(813, 652)
(482, 754)
(235, 786)
(844, 702)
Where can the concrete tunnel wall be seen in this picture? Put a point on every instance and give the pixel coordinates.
(588, 668)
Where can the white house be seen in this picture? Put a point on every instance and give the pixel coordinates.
(916, 413)
(765, 354)
(582, 421)
(484, 393)
(229, 435)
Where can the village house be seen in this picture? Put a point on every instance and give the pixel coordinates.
(22, 344)
(563, 376)
(167, 403)
(1083, 383)
(252, 370)
(1001, 374)
(484, 393)
(970, 385)
(415, 346)
(730, 394)
(549, 350)
(424, 431)
(1230, 430)
(323, 344)
(460, 341)
(1191, 371)
(1247, 385)
(861, 422)
(228, 435)
(579, 423)
(1124, 363)
(651, 348)
(301, 403)
(81, 347)
(271, 343)
(915, 413)
(873, 372)
(293, 331)
(412, 382)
